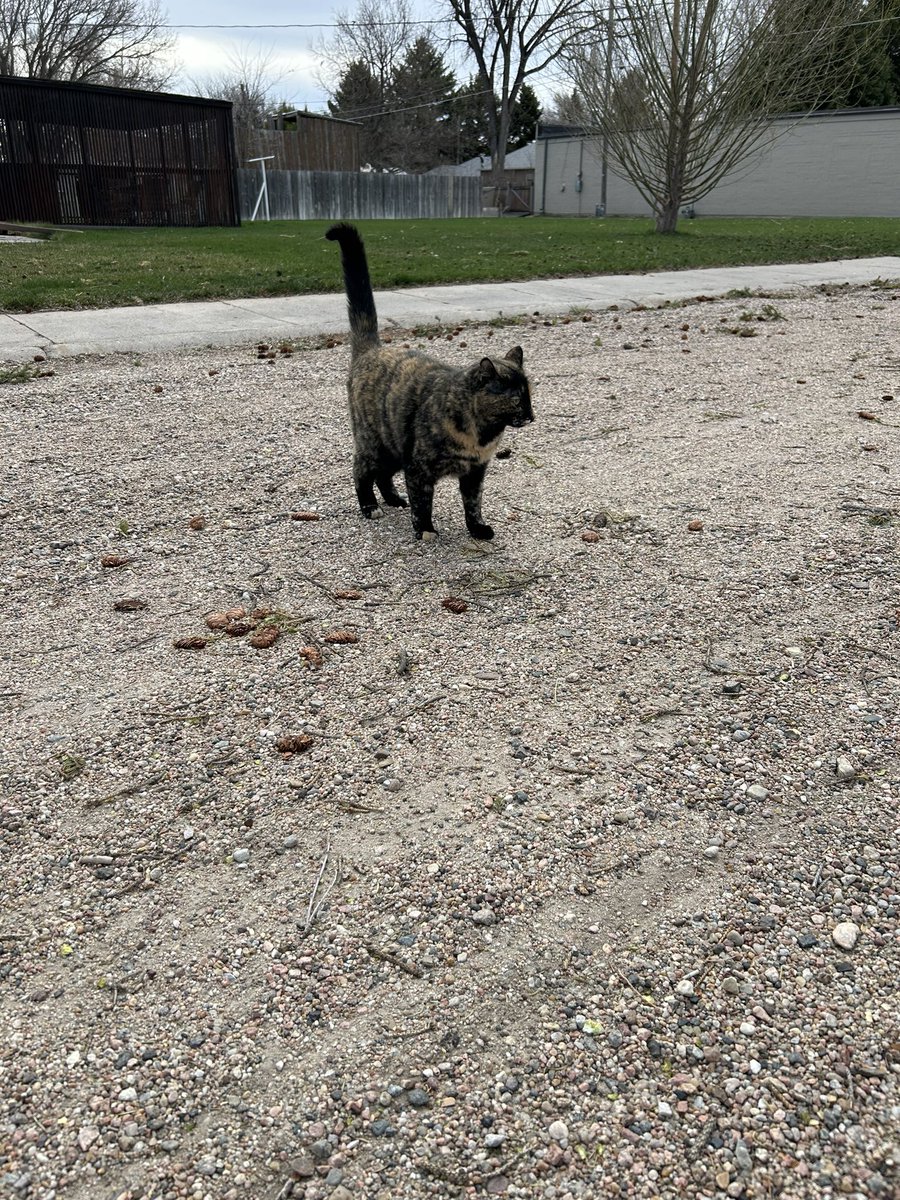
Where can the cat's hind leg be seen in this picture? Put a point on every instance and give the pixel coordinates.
(384, 481)
(470, 486)
(365, 472)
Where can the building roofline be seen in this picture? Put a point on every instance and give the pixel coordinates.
(551, 131)
(136, 93)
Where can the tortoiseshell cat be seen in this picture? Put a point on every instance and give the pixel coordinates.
(414, 414)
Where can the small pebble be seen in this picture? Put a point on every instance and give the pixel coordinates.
(845, 935)
(559, 1131)
(844, 769)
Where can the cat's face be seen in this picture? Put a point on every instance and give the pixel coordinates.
(500, 390)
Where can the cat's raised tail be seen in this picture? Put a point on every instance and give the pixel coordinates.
(360, 301)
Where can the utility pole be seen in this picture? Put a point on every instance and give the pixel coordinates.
(607, 91)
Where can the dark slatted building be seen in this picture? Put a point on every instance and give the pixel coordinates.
(75, 154)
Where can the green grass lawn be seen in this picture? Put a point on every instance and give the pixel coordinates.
(105, 268)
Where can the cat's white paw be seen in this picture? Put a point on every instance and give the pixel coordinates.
(429, 536)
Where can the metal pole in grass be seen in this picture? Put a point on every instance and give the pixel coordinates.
(607, 90)
(263, 187)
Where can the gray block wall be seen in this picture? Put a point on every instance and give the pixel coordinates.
(844, 164)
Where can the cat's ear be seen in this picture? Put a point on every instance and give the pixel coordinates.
(515, 356)
(483, 372)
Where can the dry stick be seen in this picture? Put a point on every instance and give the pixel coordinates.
(145, 878)
(317, 902)
(160, 719)
(352, 806)
(656, 713)
(152, 637)
(128, 791)
(315, 583)
(394, 959)
(44, 650)
(461, 1179)
(412, 1032)
(643, 999)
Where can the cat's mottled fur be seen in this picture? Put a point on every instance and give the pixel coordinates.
(415, 414)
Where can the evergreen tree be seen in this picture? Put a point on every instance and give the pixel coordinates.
(359, 97)
(470, 121)
(420, 99)
(877, 80)
(525, 114)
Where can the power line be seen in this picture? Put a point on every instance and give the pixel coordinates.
(619, 15)
(389, 112)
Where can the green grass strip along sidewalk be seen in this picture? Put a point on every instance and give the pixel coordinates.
(108, 268)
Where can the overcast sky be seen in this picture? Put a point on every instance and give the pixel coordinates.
(201, 53)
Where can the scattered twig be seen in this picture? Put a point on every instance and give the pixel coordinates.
(145, 878)
(707, 660)
(44, 650)
(394, 960)
(110, 797)
(353, 806)
(411, 1033)
(327, 591)
(316, 901)
(190, 718)
(643, 999)
(655, 713)
(468, 1179)
(151, 637)
(849, 509)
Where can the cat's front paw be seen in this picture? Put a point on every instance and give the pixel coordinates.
(371, 512)
(483, 533)
(426, 535)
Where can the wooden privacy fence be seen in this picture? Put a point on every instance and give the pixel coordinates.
(358, 195)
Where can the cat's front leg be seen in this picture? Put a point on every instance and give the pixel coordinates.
(421, 499)
(470, 486)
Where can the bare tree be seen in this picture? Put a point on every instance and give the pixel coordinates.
(247, 82)
(511, 40)
(377, 33)
(89, 41)
(692, 86)
(359, 64)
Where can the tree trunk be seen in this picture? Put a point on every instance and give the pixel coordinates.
(667, 216)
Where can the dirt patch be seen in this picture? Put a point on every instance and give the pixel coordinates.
(537, 896)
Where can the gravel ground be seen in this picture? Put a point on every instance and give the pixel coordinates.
(590, 889)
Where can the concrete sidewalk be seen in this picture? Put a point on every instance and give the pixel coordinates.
(231, 322)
